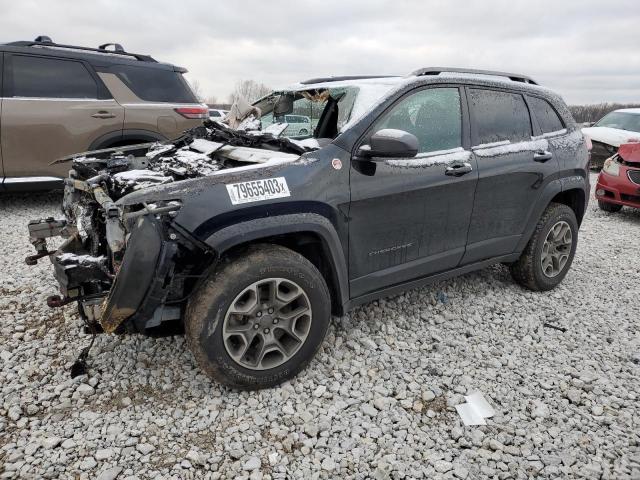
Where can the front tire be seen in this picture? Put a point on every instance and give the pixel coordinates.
(548, 256)
(609, 207)
(258, 319)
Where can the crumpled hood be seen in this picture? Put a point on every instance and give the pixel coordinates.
(610, 136)
(203, 157)
(183, 188)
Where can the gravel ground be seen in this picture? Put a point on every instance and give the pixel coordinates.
(376, 402)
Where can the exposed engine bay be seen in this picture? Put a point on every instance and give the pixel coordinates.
(200, 152)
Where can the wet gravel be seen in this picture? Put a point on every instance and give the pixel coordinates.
(376, 403)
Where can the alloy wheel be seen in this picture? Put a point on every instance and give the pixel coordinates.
(267, 323)
(556, 249)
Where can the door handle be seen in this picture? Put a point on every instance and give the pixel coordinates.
(542, 156)
(458, 169)
(103, 114)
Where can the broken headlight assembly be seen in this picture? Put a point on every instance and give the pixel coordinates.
(611, 166)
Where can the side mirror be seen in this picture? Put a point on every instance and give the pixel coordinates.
(587, 124)
(390, 143)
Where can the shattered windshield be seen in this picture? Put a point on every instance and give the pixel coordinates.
(621, 121)
(297, 114)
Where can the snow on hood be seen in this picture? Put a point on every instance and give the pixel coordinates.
(611, 136)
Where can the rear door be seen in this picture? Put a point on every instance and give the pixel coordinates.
(409, 217)
(150, 94)
(52, 107)
(513, 165)
(552, 128)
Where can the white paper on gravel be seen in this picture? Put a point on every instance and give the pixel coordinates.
(476, 410)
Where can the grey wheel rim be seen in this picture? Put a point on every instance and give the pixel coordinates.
(556, 249)
(267, 323)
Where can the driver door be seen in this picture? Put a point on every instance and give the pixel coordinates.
(409, 217)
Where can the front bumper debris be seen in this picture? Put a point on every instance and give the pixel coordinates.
(39, 231)
(130, 284)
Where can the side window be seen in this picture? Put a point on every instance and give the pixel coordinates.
(433, 115)
(499, 116)
(155, 84)
(51, 78)
(545, 114)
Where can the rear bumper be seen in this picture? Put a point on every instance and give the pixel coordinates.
(618, 190)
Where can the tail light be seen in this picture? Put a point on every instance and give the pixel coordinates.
(196, 113)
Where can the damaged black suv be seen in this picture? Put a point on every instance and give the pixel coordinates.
(250, 240)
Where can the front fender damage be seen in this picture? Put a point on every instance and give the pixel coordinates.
(136, 272)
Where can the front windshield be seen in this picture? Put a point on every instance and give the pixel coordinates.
(304, 114)
(621, 121)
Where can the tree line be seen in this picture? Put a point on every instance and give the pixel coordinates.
(594, 112)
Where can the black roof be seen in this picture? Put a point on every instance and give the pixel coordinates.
(341, 78)
(515, 77)
(103, 55)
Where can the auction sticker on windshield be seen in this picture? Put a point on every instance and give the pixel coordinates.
(258, 190)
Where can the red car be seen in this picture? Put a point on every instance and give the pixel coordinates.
(619, 181)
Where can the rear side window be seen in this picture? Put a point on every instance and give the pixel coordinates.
(546, 115)
(500, 116)
(154, 84)
(51, 78)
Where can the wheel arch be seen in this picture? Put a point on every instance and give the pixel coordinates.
(311, 235)
(125, 137)
(575, 199)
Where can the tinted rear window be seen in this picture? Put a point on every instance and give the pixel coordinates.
(546, 115)
(500, 116)
(51, 78)
(155, 85)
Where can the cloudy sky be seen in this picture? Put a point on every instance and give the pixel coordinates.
(587, 50)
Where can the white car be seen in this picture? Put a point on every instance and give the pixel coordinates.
(297, 125)
(612, 130)
(217, 114)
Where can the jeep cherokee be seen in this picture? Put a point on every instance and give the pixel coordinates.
(251, 240)
(62, 99)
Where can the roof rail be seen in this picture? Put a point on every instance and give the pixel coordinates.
(515, 77)
(343, 77)
(45, 41)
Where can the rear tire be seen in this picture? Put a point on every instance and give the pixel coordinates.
(609, 207)
(258, 319)
(548, 256)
